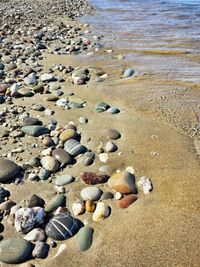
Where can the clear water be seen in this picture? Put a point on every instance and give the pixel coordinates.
(153, 25)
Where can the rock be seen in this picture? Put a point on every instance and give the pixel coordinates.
(49, 164)
(112, 134)
(36, 234)
(38, 107)
(40, 250)
(67, 134)
(91, 193)
(118, 195)
(25, 219)
(14, 209)
(128, 72)
(107, 195)
(61, 155)
(101, 107)
(3, 193)
(55, 202)
(107, 169)
(31, 121)
(145, 184)
(47, 77)
(44, 174)
(62, 102)
(47, 141)
(40, 214)
(123, 182)
(78, 208)
(103, 157)
(88, 158)
(84, 238)
(36, 201)
(102, 211)
(110, 147)
(30, 79)
(83, 120)
(90, 206)
(74, 148)
(35, 130)
(54, 86)
(64, 179)
(14, 250)
(9, 171)
(113, 110)
(38, 88)
(92, 178)
(127, 201)
(62, 226)
(7, 205)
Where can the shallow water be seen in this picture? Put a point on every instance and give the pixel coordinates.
(153, 25)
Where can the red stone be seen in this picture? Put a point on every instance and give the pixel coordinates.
(127, 201)
(92, 178)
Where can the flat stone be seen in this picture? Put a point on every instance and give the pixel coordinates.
(91, 193)
(101, 107)
(74, 148)
(38, 107)
(8, 170)
(47, 77)
(84, 238)
(64, 179)
(49, 163)
(35, 130)
(128, 73)
(88, 158)
(107, 169)
(127, 201)
(31, 121)
(14, 250)
(112, 134)
(61, 155)
(92, 178)
(67, 134)
(55, 202)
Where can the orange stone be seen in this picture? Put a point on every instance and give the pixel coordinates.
(127, 201)
(67, 134)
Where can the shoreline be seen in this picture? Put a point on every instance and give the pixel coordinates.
(159, 229)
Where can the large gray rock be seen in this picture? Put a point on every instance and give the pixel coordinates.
(35, 130)
(8, 170)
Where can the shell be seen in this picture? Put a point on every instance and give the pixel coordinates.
(78, 208)
(101, 212)
(74, 148)
(146, 184)
(62, 226)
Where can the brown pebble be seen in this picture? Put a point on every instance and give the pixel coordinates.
(90, 206)
(127, 201)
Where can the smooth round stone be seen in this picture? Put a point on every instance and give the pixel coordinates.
(92, 178)
(91, 193)
(10, 170)
(83, 120)
(44, 174)
(128, 73)
(127, 201)
(110, 147)
(67, 134)
(90, 206)
(47, 77)
(107, 195)
(30, 79)
(36, 201)
(47, 141)
(101, 107)
(55, 202)
(49, 164)
(51, 97)
(113, 110)
(36, 234)
(38, 107)
(74, 148)
(62, 102)
(14, 250)
(123, 182)
(88, 158)
(112, 134)
(61, 155)
(81, 72)
(31, 121)
(84, 238)
(7, 205)
(64, 179)
(38, 88)
(62, 226)
(101, 212)
(35, 130)
(107, 169)
(25, 92)
(54, 86)
(40, 250)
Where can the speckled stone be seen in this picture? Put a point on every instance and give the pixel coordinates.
(92, 178)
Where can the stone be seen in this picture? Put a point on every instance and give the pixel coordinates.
(145, 184)
(104, 157)
(128, 73)
(38, 107)
(118, 195)
(31, 121)
(7, 205)
(91, 193)
(36, 201)
(44, 174)
(54, 86)
(35, 130)
(110, 147)
(64, 179)
(101, 107)
(90, 206)
(61, 155)
(37, 234)
(123, 182)
(67, 134)
(8, 170)
(113, 110)
(127, 201)
(102, 211)
(30, 79)
(62, 226)
(92, 178)
(74, 148)
(55, 202)
(84, 238)
(88, 158)
(47, 77)
(107, 195)
(25, 219)
(3, 193)
(83, 120)
(107, 169)
(50, 164)
(78, 208)
(112, 134)
(40, 250)
(14, 250)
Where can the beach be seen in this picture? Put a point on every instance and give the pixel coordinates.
(157, 121)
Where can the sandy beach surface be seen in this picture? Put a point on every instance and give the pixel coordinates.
(157, 141)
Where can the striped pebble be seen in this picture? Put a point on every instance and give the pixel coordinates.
(91, 193)
(74, 148)
(62, 226)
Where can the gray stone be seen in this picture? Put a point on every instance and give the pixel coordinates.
(47, 77)
(91, 193)
(88, 158)
(61, 155)
(84, 238)
(64, 179)
(50, 164)
(113, 110)
(40, 250)
(8, 170)
(113, 134)
(38, 107)
(101, 107)
(35, 130)
(129, 72)
(31, 121)
(44, 174)
(107, 169)
(74, 148)
(55, 202)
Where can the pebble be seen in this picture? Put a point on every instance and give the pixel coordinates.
(110, 147)
(101, 212)
(36, 234)
(92, 178)
(83, 120)
(74, 148)
(118, 195)
(107, 195)
(7, 205)
(64, 179)
(84, 238)
(62, 226)
(36, 201)
(47, 141)
(78, 208)
(40, 250)
(67, 134)
(38, 107)
(50, 164)
(107, 169)
(25, 219)
(9, 171)
(90, 206)
(101, 107)
(44, 174)
(112, 134)
(91, 193)
(113, 110)
(145, 184)
(35, 130)
(14, 250)
(103, 157)
(62, 102)
(55, 202)
(31, 121)
(30, 79)
(127, 201)
(61, 155)
(128, 73)
(88, 158)
(123, 182)
(47, 77)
